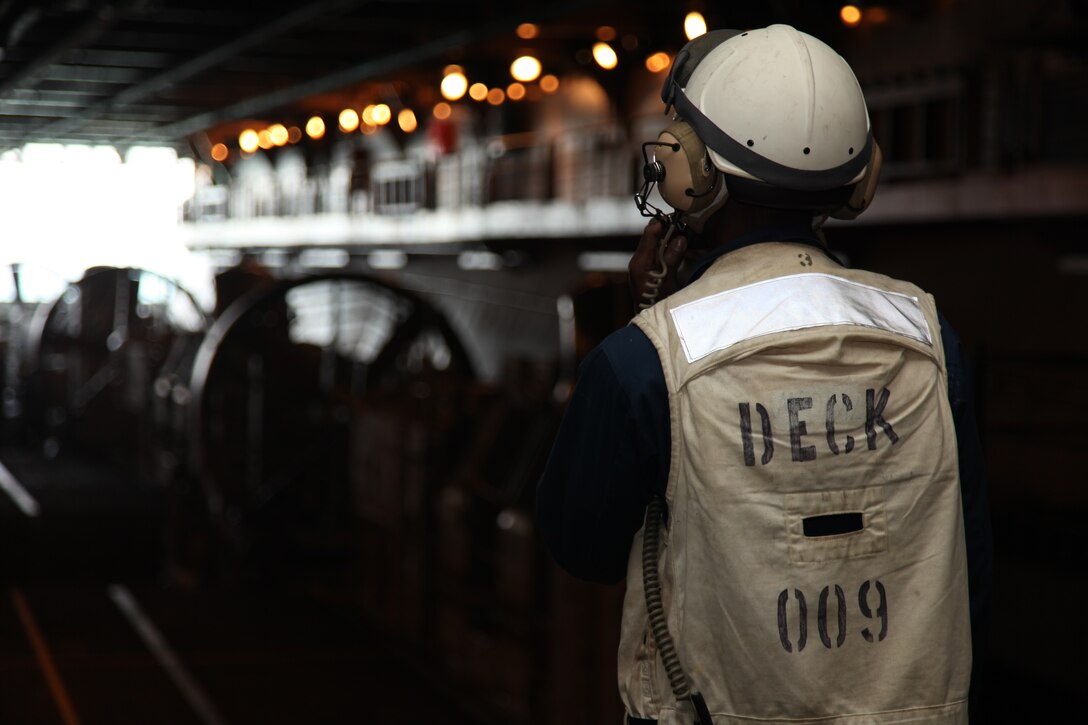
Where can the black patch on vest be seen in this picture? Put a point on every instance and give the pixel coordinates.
(832, 524)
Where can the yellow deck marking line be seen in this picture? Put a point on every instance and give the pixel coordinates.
(45, 659)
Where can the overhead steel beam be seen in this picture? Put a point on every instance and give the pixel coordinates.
(366, 70)
(53, 111)
(121, 58)
(196, 65)
(98, 22)
(106, 75)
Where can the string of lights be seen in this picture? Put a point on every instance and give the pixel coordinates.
(529, 81)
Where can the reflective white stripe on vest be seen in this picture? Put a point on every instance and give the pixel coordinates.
(795, 302)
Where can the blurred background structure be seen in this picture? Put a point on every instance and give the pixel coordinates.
(291, 298)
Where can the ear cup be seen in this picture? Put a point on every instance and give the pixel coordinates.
(690, 178)
(864, 190)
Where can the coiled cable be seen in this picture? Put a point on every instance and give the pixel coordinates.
(651, 538)
(655, 610)
(653, 286)
(655, 606)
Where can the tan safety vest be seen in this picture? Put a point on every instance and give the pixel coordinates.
(814, 566)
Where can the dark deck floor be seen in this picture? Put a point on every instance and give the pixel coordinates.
(89, 633)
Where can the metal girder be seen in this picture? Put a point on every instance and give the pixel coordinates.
(117, 58)
(128, 128)
(196, 65)
(368, 69)
(136, 72)
(90, 74)
(99, 20)
(56, 111)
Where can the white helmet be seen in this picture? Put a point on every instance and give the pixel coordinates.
(781, 115)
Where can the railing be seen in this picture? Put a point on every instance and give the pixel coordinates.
(576, 165)
(995, 117)
(919, 125)
(398, 187)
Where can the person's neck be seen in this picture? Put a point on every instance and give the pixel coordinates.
(735, 219)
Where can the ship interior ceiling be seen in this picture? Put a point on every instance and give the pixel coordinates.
(147, 71)
(295, 483)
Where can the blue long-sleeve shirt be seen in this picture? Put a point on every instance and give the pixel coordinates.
(612, 454)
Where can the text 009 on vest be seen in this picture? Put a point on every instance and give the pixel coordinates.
(822, 626)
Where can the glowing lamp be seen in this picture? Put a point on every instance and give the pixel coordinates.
(349, 120)
(658, 62)
(850, 15)
(454, 86)
(694, 25)
(525, 69)
(381, 114)
(549, 84)
(315, 127)
(247, 140)
(406, 119)
(477, 91)
(605, 56)
(220, 152)
(279, 134)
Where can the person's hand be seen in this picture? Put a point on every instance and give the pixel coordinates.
(645, 260)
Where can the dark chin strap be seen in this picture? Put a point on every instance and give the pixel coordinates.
(768, 171)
